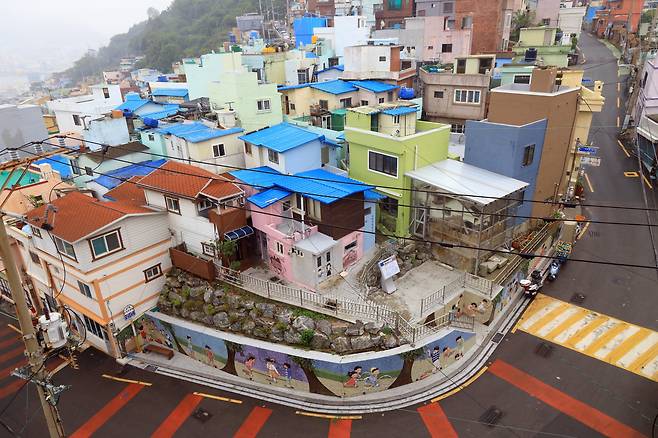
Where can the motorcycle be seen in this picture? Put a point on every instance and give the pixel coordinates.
(532, 286)
(553, 270)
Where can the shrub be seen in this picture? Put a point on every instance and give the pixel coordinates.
(387, 330)
(307, 337)
(209, 309)
(185, 292)
(281, 326)
(308, 313)
(193, 306)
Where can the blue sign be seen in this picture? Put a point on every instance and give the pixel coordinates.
(129, 311)
(588, 149)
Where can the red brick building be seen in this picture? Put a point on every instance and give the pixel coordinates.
(393, 13)
(491, 21)
(618, 14)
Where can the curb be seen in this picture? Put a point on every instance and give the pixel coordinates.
(341, 406)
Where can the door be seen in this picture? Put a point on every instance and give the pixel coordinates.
(323, 266)
(287, 104)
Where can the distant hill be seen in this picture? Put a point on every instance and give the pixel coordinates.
(187, 28)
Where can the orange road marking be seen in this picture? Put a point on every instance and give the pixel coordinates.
(436, 421)
(177, 417)
(254, 423)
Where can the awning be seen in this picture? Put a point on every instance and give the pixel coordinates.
(239, 233)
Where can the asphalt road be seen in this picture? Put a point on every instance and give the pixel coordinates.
(106, 408)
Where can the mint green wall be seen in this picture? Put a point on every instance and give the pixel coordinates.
(414, 151)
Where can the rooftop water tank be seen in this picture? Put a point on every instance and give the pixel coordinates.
(407, 93)
(531, 55)
(232, 38)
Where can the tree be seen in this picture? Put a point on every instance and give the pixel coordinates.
(521, 20)
(404, 378)
(152, 13)
(315, 386)
(232, 349)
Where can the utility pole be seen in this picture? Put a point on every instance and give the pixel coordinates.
(34, 352)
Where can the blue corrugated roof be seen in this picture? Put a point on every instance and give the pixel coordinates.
(132, 104)
(196, 131)
(374, 86)
(372, 195)
(263, 176)
(400, 110)
(293, 87)
(334, 87)
(172, 92)
(282, 137)
(161, 114)
(113, 178)
(60, 163)
(268, 197)
(339, 67)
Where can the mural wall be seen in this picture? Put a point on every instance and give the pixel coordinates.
(303, 374)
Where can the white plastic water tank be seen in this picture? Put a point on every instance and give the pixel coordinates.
(54, 329)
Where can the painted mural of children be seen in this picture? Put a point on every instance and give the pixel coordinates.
(483, 306)
(471, 309)
(169, 342)
(143, 333)
(190, 346)
(446, 353)
(287, 375)
(210, 356)
(435, 358)
(460, 347)
(373, 378)
(358, 370)
(249, 367)
(351, 380)
(272, 372)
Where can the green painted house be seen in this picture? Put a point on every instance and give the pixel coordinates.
(543, 39)
(385, 142)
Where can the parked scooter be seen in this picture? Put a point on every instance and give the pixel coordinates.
(553, 270)
(532, 286)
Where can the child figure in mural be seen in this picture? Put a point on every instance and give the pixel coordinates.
(351, 380)
(435, 358)
(460, 348)
(446, 353)
(190, 346)
(287, 375)
(249, 367)
(372, 379)
(272, 372)
(471, 309)
(483, 306)
(210, 356)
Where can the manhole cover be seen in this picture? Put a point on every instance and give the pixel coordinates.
(491, 416)
(151, 368)
(497, 337)
(202, 415)
(577, 298)
(543, 349)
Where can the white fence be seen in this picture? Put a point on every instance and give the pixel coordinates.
(438, 298)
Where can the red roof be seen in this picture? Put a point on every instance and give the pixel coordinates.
(188, 181)
(80, 215)
(128, 192)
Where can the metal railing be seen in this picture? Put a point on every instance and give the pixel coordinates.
(339, 307)
(432, 302)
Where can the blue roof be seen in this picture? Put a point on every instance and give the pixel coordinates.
(334, 87)
(339, 67)
(113, 178)
(282, 137)
(293, 87)
(372, 195)
(132, 104)
(341, 136)
(172, 92)
(239, 233)
(196, 131)
(162, 114)
(60, 163)
(268, 197)
(400, 111)
(374, 86)
(263, 176)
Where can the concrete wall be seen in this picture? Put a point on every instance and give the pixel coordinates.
(106, 130)
(548, 9)
(21, 124)
(445, 109)
(500, 148)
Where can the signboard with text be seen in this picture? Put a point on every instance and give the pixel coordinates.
(590, 161)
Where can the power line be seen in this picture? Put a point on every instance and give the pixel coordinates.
(440, 243)
(438, 192)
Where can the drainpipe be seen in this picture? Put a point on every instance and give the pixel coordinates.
(416, 157)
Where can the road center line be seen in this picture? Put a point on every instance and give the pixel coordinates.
(589, 183)
(621, 145)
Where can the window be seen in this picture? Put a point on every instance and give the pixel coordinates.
(389, 205)
(35, 258)
(461, 66)
(385, 164)
(446, 48)
(106, 93)
(151, 137)
(106, 244)
(263, 104)
(382, 59)
(333, 61)
(285, 205)
(75, 166)
(302, 76)
(273, 156)
(313, 208)
(431, 47)
(521, 79)
(447, 8)
(76, 120)
(644, 79)
(208, 249)
(381, 100)
(394, 4)
(528, 154)
(467, 22)
(450, 24)
(467, 96)
(64, 248)
(173, 205)
(438, 94)
(433, 5)
(218, 150)
(259, 74)
(545, 21)
(396, 120)
(35, 231)
(279, 248)
(324, 104)
(350, 245)
(153, 272)
(508, 20)
(346, 103)
(51, 303)
(247, 148)
(85, 289)
(457, 128)
(204, 204)
(292, 107)
(95, 328)
(364, 103)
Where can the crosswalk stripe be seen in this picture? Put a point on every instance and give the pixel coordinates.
(177, 417)
(11, 388)
(436, 421)
(580, 314)
(644, 358)
(541, 305)
(340, 429)
(548, 317)
(7, 371)
(12, 354)
(11, 341)
(607, 336)
(253, 423)
(627, 345)
(589, 328)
